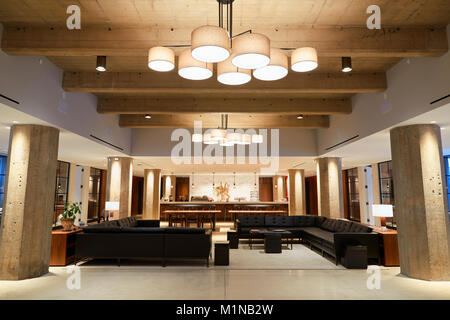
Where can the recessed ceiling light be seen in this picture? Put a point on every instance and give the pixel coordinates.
(300, 116)
(346, 64)
(101, 63)
(116, 159)
(14, 121)
(147, 116)
(433, 121)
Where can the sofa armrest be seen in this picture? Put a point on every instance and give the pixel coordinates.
(148, 223)
(368, 239)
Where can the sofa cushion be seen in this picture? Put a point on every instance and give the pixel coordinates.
(329, 225)
(250, 221)
(142, 230)
(319, 220)
(97, 228)
(123, 222)
(132, 221)
(304, 221)
(173, 230)
(342, 226)
(320, 233)
(356, 227)
(279, 221)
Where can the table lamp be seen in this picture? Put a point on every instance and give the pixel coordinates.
(111, 206)
(383, 211)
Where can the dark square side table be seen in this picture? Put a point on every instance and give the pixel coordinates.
(355, 257)
(272, 243)
(222, 253)
(233, 237)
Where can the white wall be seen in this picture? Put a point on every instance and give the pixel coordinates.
(412, 84)
(37, 84)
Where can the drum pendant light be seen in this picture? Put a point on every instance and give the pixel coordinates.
(304, 59)
(251, 51)
(192, 69)
(276, 69)
(229, 74)
(161, 59)
(210, 44)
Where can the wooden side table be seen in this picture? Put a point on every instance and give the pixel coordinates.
(63, 247)
(389, 247)
(222, 253)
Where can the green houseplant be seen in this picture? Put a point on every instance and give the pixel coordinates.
(69, 214)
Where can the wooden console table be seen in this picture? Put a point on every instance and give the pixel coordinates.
(63, 247)
(389, 247)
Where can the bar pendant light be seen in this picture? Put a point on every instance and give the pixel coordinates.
(161, 59)
(276, 69)
(257, 138)
(251, 51)
(346, 64)
(304, 59)
(101, 63)
(229, 74)
(192, 69)
(208, 140)
(210, 44)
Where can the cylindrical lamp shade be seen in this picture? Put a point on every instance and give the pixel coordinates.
(218, 134)
(257, 138)
(277, 67)
(112, 205)
(229, 74)
(192, 69)
(234, 137)
(101, 63)
(161, 59)
(304, 59)
(207, 139)
(197, 137)
(245, 139)
(251, 51)
(210, 44)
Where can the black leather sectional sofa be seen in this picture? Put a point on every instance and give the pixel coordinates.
(132, 238)
(331, 236)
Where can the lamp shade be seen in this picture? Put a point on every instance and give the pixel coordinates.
(229, 74)
(304, 59)
(207, 139)
(192, 69)
(257, 138)
(112, 205)
(197, 137)
(210, 44)
(382, 210)
(276, 69)
(234, 137)
(245, 139)
(161, 59)
(101, 63)
(218, 134)
(251, 51)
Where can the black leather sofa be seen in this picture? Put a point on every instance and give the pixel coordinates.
(132, 238)
(331, 236)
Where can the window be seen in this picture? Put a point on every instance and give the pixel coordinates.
(387, 188)
(447, 175)
(353, 194)
(95, 179)
(3, 160)
(62, 188)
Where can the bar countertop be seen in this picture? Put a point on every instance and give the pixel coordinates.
(225, 202)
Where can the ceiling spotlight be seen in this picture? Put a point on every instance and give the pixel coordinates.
(433, 121)
(251, 51)
(304, 59)
(300, 117)
(192, 69)
(276, 69)
(210, 44)
(101, 63)
(229, 74)
(161, 59)
(346, 64)
(147, 116)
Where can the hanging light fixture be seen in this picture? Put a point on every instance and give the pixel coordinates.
(161, 59)
(229, 74)
(257, 138)
(207, 139)
(197, 137)
(245, 139)
(234, 137)
(346, 64)
(226, 143)
(101, 63)
(218, 134)
(276, 69)
(192, 69)
(304, 59)
(210, 44)
(251, 51)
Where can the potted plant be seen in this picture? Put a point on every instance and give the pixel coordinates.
(68, 216)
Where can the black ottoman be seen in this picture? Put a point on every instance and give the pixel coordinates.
(222, 253)
(233, 237)
(355, 257)
(272, 243)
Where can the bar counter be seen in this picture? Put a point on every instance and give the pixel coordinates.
(227, 211)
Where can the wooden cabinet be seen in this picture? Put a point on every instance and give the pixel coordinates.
(388, 247)
(63, 247)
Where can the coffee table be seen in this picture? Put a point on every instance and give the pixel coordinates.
(257, 233)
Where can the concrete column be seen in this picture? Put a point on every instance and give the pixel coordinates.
(152, 179)
(297, 199)
(421, 206)
(278, 188)
(119, 183)
(26, 229)
(376, 190)
(329, 187)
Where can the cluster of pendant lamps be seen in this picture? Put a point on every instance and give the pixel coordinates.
(250, 51)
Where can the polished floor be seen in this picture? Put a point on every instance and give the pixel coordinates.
(112, 282)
